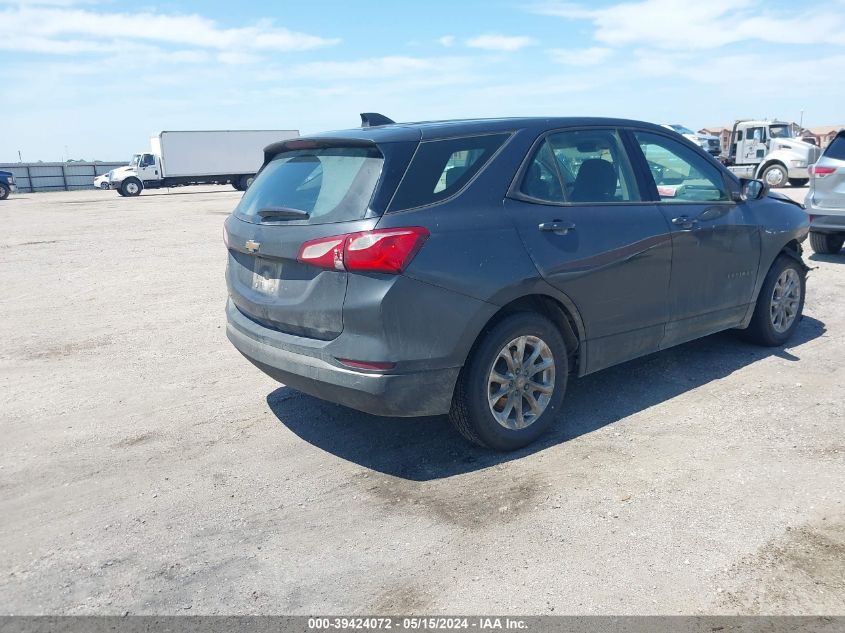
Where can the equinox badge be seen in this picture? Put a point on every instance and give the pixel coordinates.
(252, 246)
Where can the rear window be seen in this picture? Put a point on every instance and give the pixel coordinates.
(836, 149)
(441, 168)
(332, 184)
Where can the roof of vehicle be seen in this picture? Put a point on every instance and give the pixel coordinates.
(461, 127)
(761, 122)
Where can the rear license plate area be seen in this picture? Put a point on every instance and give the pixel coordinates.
(265, 276)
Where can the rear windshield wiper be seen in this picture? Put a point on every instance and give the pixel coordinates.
(283, 213)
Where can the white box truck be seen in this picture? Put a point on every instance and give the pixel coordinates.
(197, 158)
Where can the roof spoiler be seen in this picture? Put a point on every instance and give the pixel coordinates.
(373, 119)
(311, 143)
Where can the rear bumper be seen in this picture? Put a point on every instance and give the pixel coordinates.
(827, 223)
(825, 219)
(308, 369)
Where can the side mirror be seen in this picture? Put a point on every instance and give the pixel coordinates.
(751, 190)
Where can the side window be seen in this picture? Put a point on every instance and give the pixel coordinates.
(681, 175)
(581, 166)
(148, 160)
(441, 168)
(836, 149)
(541, 180)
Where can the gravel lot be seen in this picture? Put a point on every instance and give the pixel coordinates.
(148, 468)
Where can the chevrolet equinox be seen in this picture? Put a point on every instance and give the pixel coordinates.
(470, 268)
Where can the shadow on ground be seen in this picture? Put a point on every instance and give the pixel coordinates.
(838, 258)
(423, 449)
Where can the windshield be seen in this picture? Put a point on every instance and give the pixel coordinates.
(331, 184)
(780, 131)
(680, 129)
(136, 159)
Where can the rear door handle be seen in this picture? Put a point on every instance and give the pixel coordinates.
(557, 226)
(684, 221)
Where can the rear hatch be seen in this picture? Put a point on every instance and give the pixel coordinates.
(306, 190)
(827, 178)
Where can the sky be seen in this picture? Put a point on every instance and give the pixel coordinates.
(93, 79)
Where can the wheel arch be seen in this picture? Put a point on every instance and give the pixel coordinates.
(791, 249)
(558, 309)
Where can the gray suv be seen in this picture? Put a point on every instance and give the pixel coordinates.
(825, 200)
(474, 267)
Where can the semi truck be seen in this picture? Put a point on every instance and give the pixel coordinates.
(178, 158)
(770, 151)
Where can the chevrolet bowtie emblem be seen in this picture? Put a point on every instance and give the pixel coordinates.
(252, 246)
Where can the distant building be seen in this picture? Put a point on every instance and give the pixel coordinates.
(823, 134)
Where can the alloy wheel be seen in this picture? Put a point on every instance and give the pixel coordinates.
(786, 298)
(521, 382)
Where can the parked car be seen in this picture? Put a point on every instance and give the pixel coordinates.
(475, 267)
(7, 184)
(709, 143)
(825, 200)
(102, 181)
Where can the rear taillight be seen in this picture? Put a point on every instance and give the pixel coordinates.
(820, 172)
(382, 250)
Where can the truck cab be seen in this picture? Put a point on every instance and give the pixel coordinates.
(148, 169)
(770, 151)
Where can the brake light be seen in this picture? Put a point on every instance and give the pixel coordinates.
(382, 250)
(820, 172)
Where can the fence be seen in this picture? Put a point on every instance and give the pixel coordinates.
(35, 177)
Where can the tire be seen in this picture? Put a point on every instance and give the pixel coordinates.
(826, 243)
(245, 182)
(472, 412)
(120, 192)
(763, 328)
(131, 187)
(4, 192)
(799, 182)
(237, 185)
(775, 175)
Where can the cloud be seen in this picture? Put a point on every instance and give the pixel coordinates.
(674, 25)
(580, 56)
(71, 31)
(376, 67)
(504, 43)
(446, 40)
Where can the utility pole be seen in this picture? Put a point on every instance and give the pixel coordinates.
(20, 160)
(801, 121)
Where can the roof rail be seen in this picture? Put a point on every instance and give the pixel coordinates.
(373, 119)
